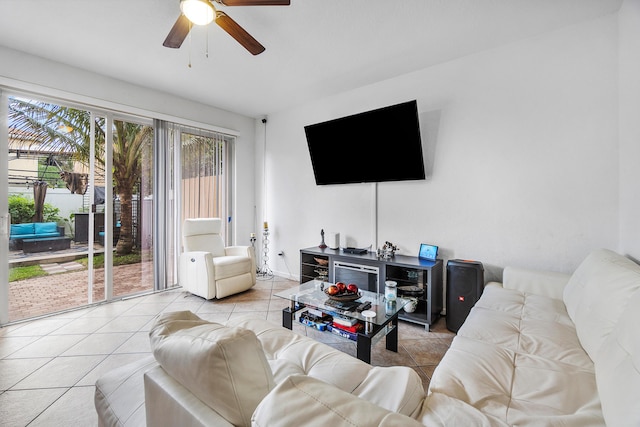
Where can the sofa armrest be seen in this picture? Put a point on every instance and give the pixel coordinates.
(243, 251)
(300, 398)
(119, 394)
(546, 283)
(168, 403)
(198, 260)
(238, 251)
(196, 273)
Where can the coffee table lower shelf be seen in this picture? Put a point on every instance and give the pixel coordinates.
(364, 341)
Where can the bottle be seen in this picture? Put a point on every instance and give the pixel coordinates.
(390, 290)
(390, 307)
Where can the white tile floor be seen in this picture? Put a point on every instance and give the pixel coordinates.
(48, 367)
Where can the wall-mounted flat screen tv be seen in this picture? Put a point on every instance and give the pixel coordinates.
(375, 146)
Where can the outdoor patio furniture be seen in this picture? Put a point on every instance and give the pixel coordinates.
(46, 244)
(33, 230)
(116, 234)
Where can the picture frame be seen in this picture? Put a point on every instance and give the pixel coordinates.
(428, 252)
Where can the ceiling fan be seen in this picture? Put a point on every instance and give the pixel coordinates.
(202, 12)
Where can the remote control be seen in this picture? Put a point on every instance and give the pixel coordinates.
(365, 305)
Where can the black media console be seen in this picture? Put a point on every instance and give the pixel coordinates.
(415, 277)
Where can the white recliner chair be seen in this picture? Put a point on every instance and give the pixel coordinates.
(208, 268)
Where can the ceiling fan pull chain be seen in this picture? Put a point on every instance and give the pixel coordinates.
(189, 44)
(206, 54)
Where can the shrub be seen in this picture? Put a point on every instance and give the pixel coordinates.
(50, 213)
(22, 209)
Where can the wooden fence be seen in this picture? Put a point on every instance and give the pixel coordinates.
(201, 197)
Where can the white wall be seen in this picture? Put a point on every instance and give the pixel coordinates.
(629, 85)
(26, 72)
(522, 151)
(60, 198)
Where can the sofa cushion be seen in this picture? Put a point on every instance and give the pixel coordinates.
(230, 266)
(597, 295)
(517, 359)
(300, 398)
(21, 229)
(42, 228)
(403, 388)
(545, 283)
(311, 357)
(440, 410)
(222, 366)
(203, 234)
(602, 298)
(397, 388)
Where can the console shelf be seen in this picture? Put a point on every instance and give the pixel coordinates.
(418, 276)
(311, 268)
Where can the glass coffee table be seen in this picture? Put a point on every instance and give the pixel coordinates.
(379, 318)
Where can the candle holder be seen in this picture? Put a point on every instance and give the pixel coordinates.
(265, 273)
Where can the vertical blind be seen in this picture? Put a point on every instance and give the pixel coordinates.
(204, 174)
(193, 166)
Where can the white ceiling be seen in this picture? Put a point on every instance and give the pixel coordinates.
(314, 48)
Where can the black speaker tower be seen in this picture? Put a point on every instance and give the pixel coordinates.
(465, 283)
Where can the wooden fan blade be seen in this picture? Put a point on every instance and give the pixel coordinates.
(178, 33)
(254, 2)
(238, 33)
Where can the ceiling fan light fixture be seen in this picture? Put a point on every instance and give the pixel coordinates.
(200, 12)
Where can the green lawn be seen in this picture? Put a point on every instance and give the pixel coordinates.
(98, 260)
(22, 273)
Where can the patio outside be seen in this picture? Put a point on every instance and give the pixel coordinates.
(57, 185)
(65, 286)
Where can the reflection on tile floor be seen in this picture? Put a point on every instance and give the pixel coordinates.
(48, 366)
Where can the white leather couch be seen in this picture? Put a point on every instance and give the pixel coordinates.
(207, 374)
(548, 349)
(540, 349)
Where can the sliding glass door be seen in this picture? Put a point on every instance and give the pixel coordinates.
(91, 202)
(132, 227)
(79, 191)
(55, 165)
(193, 180)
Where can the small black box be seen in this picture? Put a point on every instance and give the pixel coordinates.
(358, 251)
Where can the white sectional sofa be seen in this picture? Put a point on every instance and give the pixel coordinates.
(539, 349)
(207, 374)
(550, 349)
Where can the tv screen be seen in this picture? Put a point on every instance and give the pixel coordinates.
(374, 146)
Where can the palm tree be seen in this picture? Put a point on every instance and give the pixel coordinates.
(41, 126)
(130, 141)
